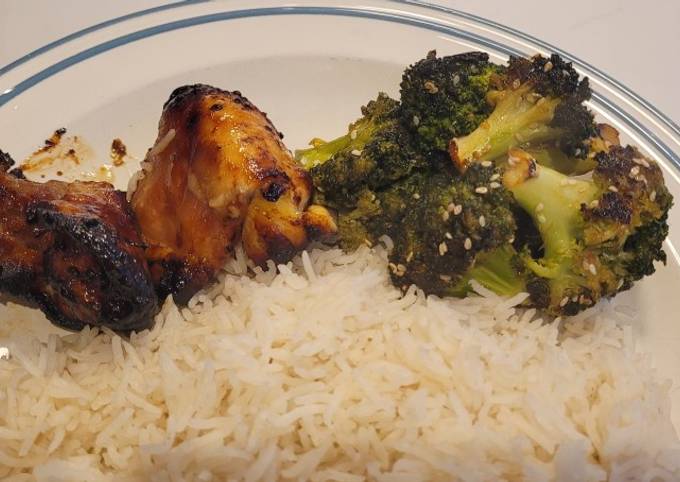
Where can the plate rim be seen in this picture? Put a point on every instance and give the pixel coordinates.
(664, 118)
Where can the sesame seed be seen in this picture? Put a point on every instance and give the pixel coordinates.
(619, 285)
(445, 216)
(564, 301)
(416, 120)
(494, 185)
(539, 207)
(634, 171)
(613, 189)
(356, 152)
(401, 268)
(443, 248)
(481, 190)
(515, 84)
(592, 269)
(416, 195)
(456, 209)
(487, 163)
(445, 278)
(548, 66)
(431, 87)
(482, 221)
(447, 235)
(594, 203)
(641, 162)
(353, 134)
(541, 219)
(467, 244)
(409, 257)
(392, 266)
(511, 239)
(652, 196)
(495, 177)
(456, 79)
(574, 298)
(368, 243)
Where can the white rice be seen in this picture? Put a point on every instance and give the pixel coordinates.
(322, 371)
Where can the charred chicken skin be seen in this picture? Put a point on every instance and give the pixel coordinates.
(74, 250)
(217, 173)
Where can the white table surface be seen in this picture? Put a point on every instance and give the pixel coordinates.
(634, 41)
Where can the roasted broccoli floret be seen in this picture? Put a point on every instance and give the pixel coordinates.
(538, 197)
(445, 97)
(536, 102)
(373, 117)
(599, 235)
(445, 230)
(374, 153)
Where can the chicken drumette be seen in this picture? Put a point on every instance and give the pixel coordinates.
(73, 249)
(217, 173)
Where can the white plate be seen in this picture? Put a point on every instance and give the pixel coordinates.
(310, 68)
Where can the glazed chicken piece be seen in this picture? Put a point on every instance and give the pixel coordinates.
(219, 173)
(74, 251)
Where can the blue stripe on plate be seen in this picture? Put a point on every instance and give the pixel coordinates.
(94, 28)
(454, 12)
(335, 11)
(233, 15)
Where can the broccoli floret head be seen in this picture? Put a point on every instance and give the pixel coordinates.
(633, 211)
(374, 153)
(445, 97)
(599, 235)
(536, 102)
(446, 231)
(374, 116)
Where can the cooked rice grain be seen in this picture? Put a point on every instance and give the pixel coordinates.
(322, 371)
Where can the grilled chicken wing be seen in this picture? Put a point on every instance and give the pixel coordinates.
(73, 249)
(219, 173)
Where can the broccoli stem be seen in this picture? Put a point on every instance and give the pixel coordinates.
(520, 117)
(322, 150)
(554, 158)
(496, 270)
(553, 200)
